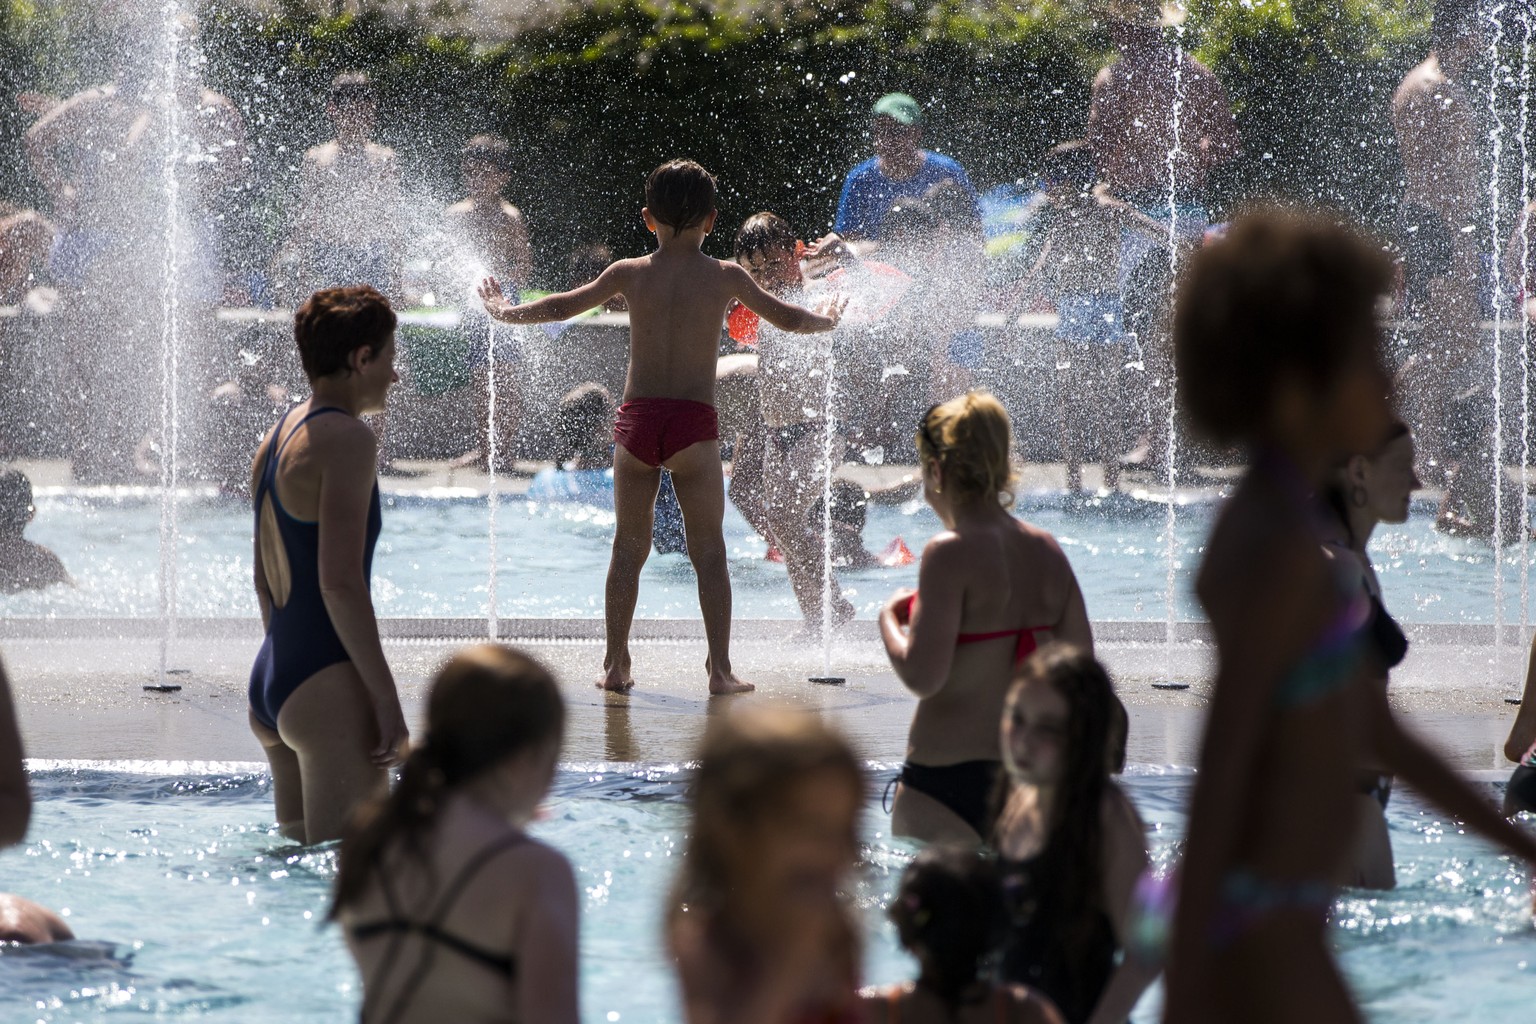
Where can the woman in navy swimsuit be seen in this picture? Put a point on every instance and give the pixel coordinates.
(323, 701)
(991, 588)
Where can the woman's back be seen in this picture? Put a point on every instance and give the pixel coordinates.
(1019, 592)
(439, 937)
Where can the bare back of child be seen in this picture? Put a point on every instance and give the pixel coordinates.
(677, 299)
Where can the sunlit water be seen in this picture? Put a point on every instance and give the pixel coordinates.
(432, 557)
(189, 904)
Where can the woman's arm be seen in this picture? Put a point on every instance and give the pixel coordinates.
(547, 960)
(1522, 735)
(1404, 754)
(560, 306)
(346, 495)
(258, 564)
(1125, 861)
(1074, 627)
(921, 656)
(15, 794)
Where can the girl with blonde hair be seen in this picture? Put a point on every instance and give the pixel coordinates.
(990, 590)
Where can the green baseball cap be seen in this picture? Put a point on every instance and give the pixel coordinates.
(899, 107)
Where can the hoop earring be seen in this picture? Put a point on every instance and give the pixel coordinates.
(1357, 496)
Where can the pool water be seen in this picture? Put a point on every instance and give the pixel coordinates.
(433, 558)
(190, 905)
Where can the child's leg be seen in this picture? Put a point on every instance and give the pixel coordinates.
(700, 482)
(1069, 378)
(634, 503)
(796, 480)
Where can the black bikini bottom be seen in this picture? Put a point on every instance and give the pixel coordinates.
(965, 788)
(1522, 788)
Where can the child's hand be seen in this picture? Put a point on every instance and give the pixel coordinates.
(833, 308)
(492, 297)
(900, 605)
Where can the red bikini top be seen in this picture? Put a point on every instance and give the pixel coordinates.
(1026, 646)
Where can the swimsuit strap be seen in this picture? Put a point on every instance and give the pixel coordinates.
(280, 444)
(432, 928)
(268, 467)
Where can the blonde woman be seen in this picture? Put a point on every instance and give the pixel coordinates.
(990, 590)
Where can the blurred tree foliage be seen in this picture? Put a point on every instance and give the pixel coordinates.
(772, 96)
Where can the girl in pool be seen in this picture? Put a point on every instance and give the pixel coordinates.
(757, 923)
(949, 916)
(322, 700)
(452, 911)
(1070, 845)
(1277, 347)
(991, 588)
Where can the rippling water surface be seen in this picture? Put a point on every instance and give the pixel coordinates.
(433, 556)
(190, 905)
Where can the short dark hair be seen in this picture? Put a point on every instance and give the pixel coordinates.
(334, 322)
(763, 231)
(352, 87)
(1284, 293)
(680, 194)
(583, 411)
(949, 912)
(492, 150)
(1073, 162)
(15, 499)
(1451, 19)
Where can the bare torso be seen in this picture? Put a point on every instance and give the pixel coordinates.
(497, 235)
(1299, 813)
(1440, 142)
(1131, 122)
(1015, 576)
(677, 301)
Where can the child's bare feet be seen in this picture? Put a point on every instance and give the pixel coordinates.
(725, 682)
(616, 677)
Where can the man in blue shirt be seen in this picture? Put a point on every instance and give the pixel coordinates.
(898, 170)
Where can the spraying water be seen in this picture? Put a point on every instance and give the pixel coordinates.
(170, 357)
(829, 425)
(1496, 286)
(491, 454)
(1175, 151)
(1528, 22)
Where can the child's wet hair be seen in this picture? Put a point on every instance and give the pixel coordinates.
(584, 412)
(1282, 296)
(971, 438)
(680, 194)
(1092, 749)
(488, 703)
(763, 232)
(334, 322)
(748, 763)
(15, 500)
(1072, 163)
(949, 913)
(488, 150)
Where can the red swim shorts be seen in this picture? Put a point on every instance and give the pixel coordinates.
(655, 429)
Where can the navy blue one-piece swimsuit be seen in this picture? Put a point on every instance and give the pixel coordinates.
(300, 639)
